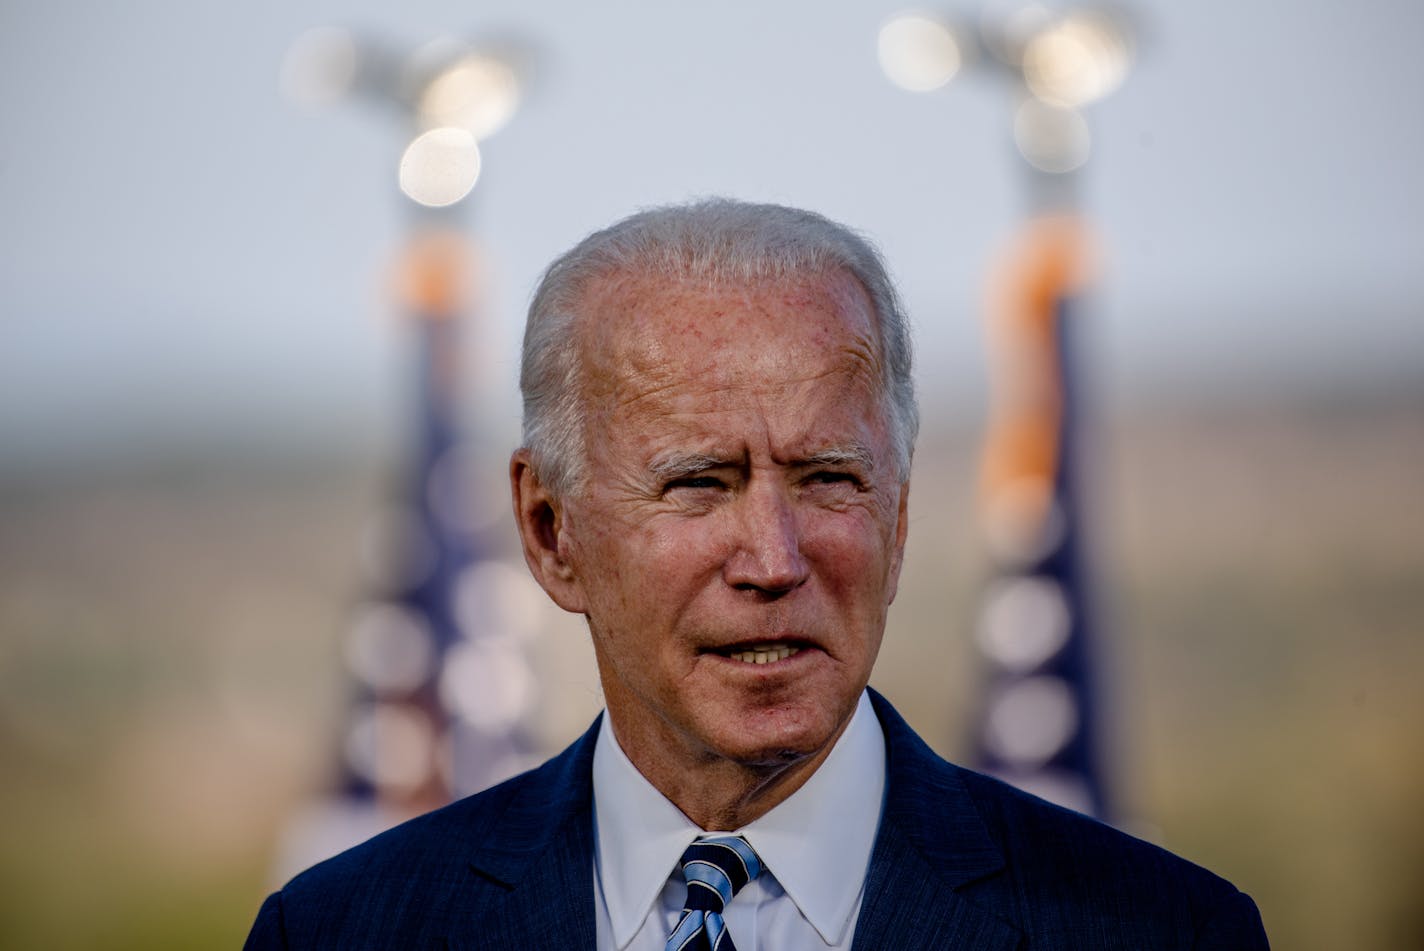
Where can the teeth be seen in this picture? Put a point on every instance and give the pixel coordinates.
(764, 653)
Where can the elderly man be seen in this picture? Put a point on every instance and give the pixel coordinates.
(718, 427)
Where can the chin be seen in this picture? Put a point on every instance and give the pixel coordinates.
(778, 737)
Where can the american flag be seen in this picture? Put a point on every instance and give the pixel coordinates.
(441, 688)
(1038, 725)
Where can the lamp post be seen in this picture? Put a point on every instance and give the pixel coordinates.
(1038, 723)
(442, 688)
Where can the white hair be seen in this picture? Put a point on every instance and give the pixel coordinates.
(722, 242)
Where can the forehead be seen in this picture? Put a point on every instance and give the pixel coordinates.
(642, 331)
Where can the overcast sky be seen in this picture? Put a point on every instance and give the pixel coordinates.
(185, 255)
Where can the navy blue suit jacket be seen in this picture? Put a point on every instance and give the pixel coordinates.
(960, 861)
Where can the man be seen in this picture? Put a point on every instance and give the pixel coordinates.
(719, 421)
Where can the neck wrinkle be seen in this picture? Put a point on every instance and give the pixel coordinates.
(724, 796)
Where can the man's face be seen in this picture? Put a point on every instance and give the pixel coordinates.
(739, 538)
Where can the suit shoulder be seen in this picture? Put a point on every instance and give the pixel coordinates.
(1034, 837)
(423, 842)
(1060, 858)
(408, 885)
(1021, 821)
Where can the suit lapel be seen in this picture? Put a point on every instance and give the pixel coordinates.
(531, 883)
(908, 904)
(931, 845)
(551, 906)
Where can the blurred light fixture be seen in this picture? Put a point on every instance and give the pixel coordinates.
(918, 52)
(1062, 60)
(1077, 60)
(1051, 138)
(1006, 26)
(440, 166)
(452, 93)
(478, 92)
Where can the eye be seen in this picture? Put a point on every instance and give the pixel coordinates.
(695, 482)
(827, 477)
(831, 485)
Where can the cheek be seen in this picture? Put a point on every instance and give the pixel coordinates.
(594, 548)
(680, 546)
(859, 538)
(640, 573)
(856, 561)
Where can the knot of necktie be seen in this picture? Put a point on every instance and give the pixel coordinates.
(715, 868)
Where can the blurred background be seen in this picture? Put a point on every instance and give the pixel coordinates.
(229, 364)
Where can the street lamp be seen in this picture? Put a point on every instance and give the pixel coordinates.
(442, 686)
(1057, 62)
(453, 95)
(1037, 726)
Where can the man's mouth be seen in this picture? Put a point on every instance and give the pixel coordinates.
(768, 653)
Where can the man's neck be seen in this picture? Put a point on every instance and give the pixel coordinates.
(717, 793)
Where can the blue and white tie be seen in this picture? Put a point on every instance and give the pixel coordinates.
(715, 867)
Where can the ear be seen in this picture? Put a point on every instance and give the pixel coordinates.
(542, 530)
(902, 532)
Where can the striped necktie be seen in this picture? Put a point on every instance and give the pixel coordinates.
(715, 867)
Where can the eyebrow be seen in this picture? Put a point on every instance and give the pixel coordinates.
(680, 465)
(841, 456)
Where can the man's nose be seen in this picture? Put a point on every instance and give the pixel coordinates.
(767, 556)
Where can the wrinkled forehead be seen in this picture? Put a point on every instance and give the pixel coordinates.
(722, 331)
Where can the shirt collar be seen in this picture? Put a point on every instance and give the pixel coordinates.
(641, 837)
(817, 843)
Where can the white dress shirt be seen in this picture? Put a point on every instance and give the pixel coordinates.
(814, 847)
